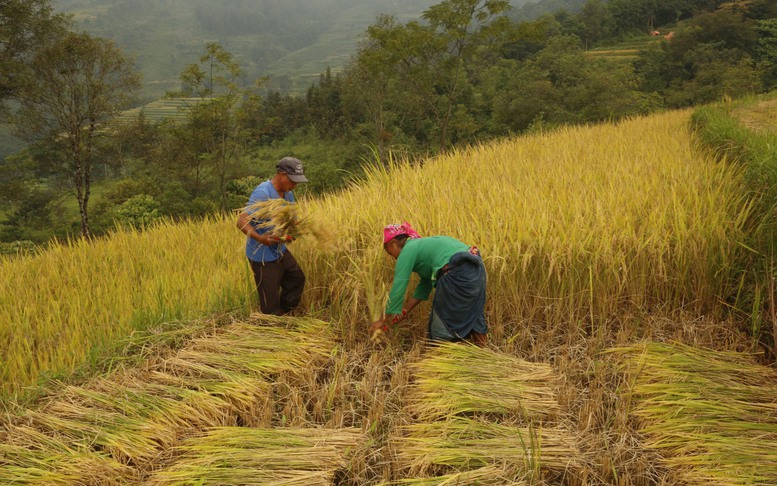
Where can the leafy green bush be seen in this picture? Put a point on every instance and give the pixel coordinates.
(138, 211)
(18, 247)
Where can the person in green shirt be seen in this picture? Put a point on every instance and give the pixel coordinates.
(456, 272)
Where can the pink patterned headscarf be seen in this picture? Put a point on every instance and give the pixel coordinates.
(393, 230)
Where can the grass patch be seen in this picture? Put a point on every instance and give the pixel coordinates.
(742, 133)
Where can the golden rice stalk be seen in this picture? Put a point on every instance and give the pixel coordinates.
(366, 271)
(34, 458)
(375, 291)
(711, 415)
(455, 379)
(465, 443)
(256, 350)
(287, 221)
(245, 456)
(495, 475)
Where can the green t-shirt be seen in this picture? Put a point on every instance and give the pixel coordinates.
(424, 256)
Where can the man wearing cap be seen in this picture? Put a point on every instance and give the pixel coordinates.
(452, 268)
(279, 279)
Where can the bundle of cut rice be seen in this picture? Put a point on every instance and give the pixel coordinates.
(238, 455)
(503, 475)
(459, 379)
(711, 415)
(286, 221)
(463, 443)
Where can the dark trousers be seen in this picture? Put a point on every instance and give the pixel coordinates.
(279, 284)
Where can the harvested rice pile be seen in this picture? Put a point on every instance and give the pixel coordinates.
(456, 380)
(238, 455)
(711, 416)
(478, 413)
(113, 429)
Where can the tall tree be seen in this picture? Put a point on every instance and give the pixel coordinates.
(766, 49)
(597, 21)
(431, 60)
(25, 25)
(81, 82)
(369, 87)
(213, 114)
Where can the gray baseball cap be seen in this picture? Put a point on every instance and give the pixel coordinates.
(292, 168)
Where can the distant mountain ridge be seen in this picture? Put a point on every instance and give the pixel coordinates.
(289, 41)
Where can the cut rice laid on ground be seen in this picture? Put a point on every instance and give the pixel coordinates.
(53, 462)
(712, 416)
(455, 379)
(120, 424)
(478, 417)
(236, 455)
(491, 475)
(462, 443)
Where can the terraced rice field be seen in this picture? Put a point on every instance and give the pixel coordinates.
(611, 254)
(626, 51)
(159, 110)
(759, 117)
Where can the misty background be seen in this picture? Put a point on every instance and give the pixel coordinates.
(290, 42)
(287, 43)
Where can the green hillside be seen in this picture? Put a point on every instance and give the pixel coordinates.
(290, 42)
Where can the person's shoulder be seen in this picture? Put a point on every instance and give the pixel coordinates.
(442, 239)
(262, 189)
(264, 184)
(429, 239)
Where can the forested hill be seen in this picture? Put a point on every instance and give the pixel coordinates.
(290, 41)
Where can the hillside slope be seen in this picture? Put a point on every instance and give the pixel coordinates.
(577, 226)
(610, 253)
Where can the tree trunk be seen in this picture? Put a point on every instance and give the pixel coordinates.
(82, 205)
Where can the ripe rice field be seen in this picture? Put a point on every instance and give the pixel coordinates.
(626, 51)
(160, 110)
(611, 254)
